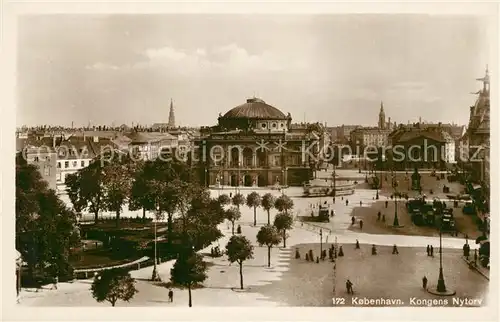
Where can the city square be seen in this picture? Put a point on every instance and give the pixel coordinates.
(368, 191)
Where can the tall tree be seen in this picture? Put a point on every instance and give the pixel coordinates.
(239, 249)
(112, 285)
(253, 201)
(73, 189)
(91, 180)
(283, 222)
(268, 204)
(116, 187)
(269, 236)
(140, 192)
(233, 214)
(189, 270)
(283, 203)
(45, 228)
(238, 200)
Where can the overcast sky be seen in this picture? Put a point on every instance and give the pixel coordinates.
(329, 68)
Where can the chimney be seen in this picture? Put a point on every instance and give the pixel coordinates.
(96, 139)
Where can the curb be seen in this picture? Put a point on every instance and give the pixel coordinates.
(476, 269)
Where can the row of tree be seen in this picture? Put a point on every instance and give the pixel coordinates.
(190, 269)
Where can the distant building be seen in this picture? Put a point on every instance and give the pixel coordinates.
(369, 137)
(254, 144)
(75, 153)
(420, 147)
(42, 153)
(148, 145)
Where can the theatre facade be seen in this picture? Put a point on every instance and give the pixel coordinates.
(254, 144)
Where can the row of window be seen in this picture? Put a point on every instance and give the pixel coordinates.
(74, 164)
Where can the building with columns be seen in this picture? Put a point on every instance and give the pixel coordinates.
(254, 144)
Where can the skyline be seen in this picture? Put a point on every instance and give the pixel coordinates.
(111, 69)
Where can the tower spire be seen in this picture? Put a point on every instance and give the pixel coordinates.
(381, 117)
(171, 115)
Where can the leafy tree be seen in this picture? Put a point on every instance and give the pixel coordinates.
(189, 270)
(283, 222)
(268, 204)
(224, 199)
(254, 201)
(112, 285)
(233, 214)
(116, 186)
(90, 181)
(73, 189)
(269, 236)
(171, 189)
(202, 220)
(283, 203)
(140, 192)
(45, 227)
(238, 200)
(239, 249)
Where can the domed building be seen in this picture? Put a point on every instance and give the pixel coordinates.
(253, 145)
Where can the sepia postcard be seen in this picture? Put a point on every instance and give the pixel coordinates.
(195, 162)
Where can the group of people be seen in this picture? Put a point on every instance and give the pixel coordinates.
(430, 250)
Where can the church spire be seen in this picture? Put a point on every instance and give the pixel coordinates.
(171, 116)
(381, 117)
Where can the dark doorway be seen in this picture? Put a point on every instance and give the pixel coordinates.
(248, 180)
(262, 182)
(234, 180)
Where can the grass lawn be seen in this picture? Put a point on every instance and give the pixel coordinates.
(465, 224)
(381, 276)
(93, 259)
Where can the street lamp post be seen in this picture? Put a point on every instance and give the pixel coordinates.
(321, 243)
(155, 276)
(396, 194)
(334, 184)
(441, 286)
(334, 258)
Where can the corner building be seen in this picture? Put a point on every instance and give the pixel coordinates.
(253, 145)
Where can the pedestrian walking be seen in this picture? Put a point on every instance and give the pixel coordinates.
(424, 282)
(378, 216)
(353, 220)
(432, 251)
(383, 218)
(475, 257)
(361, 203)
(357, 244)
(374, 250)
(349, 287)
(428, 250)
(361, 224)
(54, 282)
(386, 203)
(395, 250)
(170, 295)
(347, 202)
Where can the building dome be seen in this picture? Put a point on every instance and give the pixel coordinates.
(255, 108)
